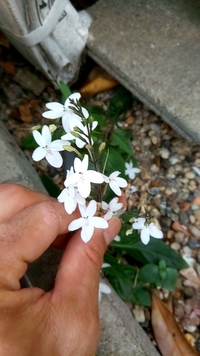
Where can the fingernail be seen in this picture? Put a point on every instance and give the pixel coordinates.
(112, 230)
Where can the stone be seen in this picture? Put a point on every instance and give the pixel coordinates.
(139, 314)
(29, 81)
(173, 159)
(183, 217)
(197, 215)
(179, 236)
(164, 153)
(175, 246)
(194, 231)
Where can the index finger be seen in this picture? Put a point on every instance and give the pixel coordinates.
(15, 198)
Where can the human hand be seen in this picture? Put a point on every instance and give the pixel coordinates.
(61, 322)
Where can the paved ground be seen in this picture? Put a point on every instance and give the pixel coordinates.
(152, 48)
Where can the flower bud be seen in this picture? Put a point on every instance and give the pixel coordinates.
(102, 146)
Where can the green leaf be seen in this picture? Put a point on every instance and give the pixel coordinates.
(119, 104)
(115, 161)
(65, 90)
(50, 186)
(119, 138)
(170, 280)
(153, 252)
(117, 270)
(29, 142)
(148, 273)
(141, 296)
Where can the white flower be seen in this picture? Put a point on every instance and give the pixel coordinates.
(88, 221)
(83, 177)
(111, 208)
(48, 149)
(147, 230)
(117, 238)
(130, 170)
(103, 288)
(70, 196)
(79, 143)
(115, 182)
(105, 265)
(57, 110)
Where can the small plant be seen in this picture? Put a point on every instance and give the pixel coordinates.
(137, 260)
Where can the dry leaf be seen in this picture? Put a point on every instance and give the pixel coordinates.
(9, 67)
(98, 80)
(168, 335)
(176, 226)
(190, 274)
(4, 41)
(25, 110)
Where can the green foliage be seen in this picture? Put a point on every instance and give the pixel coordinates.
(135, 268)
(50, 186)
(119, 104)
(65, 90)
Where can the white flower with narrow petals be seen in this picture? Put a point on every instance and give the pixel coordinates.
(88, 221)
(103, 288)
(130, 170)
(48, 149)
(111, 208)
(70, 196)
(57, 110)
(147, 230)
(79, 143)
(116, 182)
(83, 177)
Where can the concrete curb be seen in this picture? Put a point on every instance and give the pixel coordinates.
(120, 333)
(152, 48)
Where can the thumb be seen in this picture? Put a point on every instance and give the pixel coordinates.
(81, 263)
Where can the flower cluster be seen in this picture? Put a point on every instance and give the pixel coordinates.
(86, 182)
(78, 127)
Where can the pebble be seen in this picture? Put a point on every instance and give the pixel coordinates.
(179, 236)
(139, 314)
(164, 153)
(165, 221)
(192, 185)
(184, 218)
(170, 234)
(194, 231)
(173, 159)
(189, 175)
(154, 168)
(175, 246)
(154, 140)
(197, 215)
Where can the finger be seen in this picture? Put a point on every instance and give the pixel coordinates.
(27, 235)
(81, 263)
(14, 198)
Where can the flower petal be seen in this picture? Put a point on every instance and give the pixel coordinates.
(57, 145)
(108, 215)
(52, 114)
(91, 208)
(70, 204)
(87, 232)
(39, 138)
(55, 106)
(93, 176)
(145, 235)
(46, 135)
(54, 158)
(38, 154)
(115, 188)
(121, 182)
(84, 188)
(76, 224)
(155, 231)
(98, 222)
